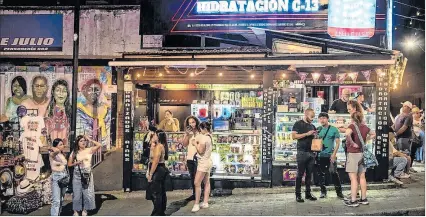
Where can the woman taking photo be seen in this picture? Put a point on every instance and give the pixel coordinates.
(192, 127)
(83, 198)
(356, 136)
(157, 173)
(58, 163)
(204, 149)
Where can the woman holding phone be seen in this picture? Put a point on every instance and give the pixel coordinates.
(192, 126)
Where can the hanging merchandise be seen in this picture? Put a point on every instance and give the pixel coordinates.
(366, 74)
(327, 78)
(341, 77)
(353, 76)
(303, 76)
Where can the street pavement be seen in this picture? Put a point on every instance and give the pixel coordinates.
(406, 200)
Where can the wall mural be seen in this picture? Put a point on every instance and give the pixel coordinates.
(37, 108)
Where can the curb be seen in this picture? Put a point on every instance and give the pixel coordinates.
(418, 211)
(237, 191)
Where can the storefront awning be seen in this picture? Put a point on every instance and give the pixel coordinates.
(272, 60)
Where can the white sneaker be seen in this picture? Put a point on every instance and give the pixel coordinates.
(196, 208)
(204, 206)
(84, 213)
(404, 176)
(75, 214)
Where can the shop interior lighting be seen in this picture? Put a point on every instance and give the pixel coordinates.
(138, 75)
(220, 74)
(252, 76)
(283, 75)
(160, 74)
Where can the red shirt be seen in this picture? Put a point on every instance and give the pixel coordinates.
(364, 132)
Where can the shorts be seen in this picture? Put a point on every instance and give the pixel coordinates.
(354, 163)
(204, 166)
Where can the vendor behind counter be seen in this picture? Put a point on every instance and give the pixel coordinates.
(339, 106)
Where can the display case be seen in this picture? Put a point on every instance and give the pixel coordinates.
(236, 154)
(137, 151)
(286, 148)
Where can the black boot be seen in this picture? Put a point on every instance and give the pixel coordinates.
(309, 196)
(339, 193)
(299, 198)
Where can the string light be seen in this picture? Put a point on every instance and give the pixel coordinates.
(138, 75)
(418, 13)
(192, 74)
(283, 75)
(160, 74)
(252, 76)
(220, 74)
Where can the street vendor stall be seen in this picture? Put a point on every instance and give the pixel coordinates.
(275, 72)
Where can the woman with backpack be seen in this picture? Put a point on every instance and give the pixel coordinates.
(356, 136)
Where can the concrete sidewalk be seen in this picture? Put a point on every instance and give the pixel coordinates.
(385, 199)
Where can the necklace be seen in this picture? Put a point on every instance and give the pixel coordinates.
(36, 103)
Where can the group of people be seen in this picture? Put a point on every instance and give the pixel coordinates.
(83, 198)
(407, 141)
(199, 144)
(357, 133)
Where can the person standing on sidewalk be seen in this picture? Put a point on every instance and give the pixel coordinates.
(204, 145)
(356, 135)
(158, 172)
(192, 126)
(419, 131)
(58, 163)
(327, 157)
(303, 131)
(83, 197)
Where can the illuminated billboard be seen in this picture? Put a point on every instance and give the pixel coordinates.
(160, 17)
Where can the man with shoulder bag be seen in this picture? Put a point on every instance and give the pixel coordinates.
(303, 131)
(326, 160)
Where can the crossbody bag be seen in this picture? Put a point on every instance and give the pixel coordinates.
(369, 158)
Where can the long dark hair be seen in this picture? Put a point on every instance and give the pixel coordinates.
(21, 81)
(197, 122)
(76, 147)
(56, 142)
(206, 126)
(162, 139)
(67, 103)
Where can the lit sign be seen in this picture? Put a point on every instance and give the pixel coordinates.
(351, 19)
(259, 6)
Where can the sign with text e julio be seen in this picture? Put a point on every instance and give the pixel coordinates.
(31, 32)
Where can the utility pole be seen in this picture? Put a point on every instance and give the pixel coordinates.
(75, 72)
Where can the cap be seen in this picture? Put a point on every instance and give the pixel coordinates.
(408, 104)
(323, 114)
(415, 110)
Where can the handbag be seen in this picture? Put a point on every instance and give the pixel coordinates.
(64, 181)
(317, 144)
(369, 158)
(85, 178)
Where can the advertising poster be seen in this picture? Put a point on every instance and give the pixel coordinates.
(358, 20)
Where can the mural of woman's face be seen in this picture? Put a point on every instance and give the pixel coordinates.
(17, 89)
(93, 92)
(60, 94)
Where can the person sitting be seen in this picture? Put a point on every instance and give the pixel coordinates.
(398, 160)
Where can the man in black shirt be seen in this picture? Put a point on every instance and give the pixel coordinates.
(339, 106)
(304, 131)
(360, 98)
